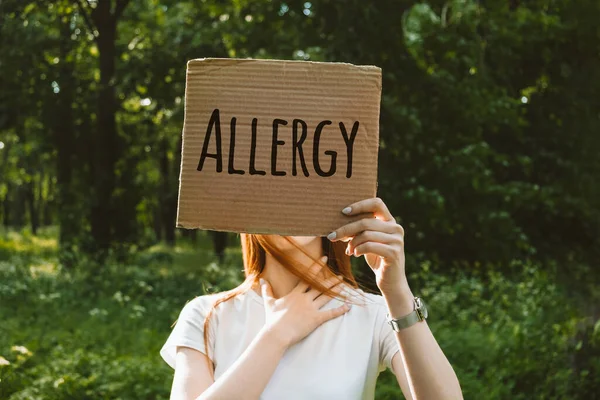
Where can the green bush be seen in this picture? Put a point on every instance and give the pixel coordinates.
(512, 338)
(95, 333)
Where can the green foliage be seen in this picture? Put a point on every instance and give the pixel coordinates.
(516, 332)
(488, 128)
(488, 157)
(97, 334)
(520, 338)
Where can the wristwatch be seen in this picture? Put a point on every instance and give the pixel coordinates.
(419, 314)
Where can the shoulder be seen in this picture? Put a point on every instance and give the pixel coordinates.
(372, 302)
(199, 306)
(366, 298)
(201, 302)
(217, 302)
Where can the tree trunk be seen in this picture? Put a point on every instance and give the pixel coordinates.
(219, 244)
(29, 194)
(18, 211)
(105, 135)
(157, 223)
(48, 205)
(168, 203)
(124, 204)
(6, 209)
(190, 234)
(64, 138)
(106, 143)
(6, 200)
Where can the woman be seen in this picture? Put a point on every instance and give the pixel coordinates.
(295, 338)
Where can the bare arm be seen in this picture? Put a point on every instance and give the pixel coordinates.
(288, 320)
(422, 369)
(192, 374)
(243, 380)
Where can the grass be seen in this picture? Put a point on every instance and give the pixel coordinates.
(79, 330)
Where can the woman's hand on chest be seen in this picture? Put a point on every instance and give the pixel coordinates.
(294, 316)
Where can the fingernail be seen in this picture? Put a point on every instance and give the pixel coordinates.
(348, 251)
(262, 281)
(332, 235)
(324, 259)
(347, 210)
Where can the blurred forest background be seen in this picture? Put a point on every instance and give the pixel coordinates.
(490, 144)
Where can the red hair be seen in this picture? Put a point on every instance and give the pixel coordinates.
(254, 250)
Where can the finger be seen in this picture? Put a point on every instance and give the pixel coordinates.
(328, 283)
(312, 271)
(383, 250)
(266, 290)
(365, 224)
(374, 236)
(374, 205)
(332, 313)
(324, 299)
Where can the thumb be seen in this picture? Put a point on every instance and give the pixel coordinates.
(372, 260)
(265, 288)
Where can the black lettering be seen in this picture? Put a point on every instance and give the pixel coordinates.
(276, 123)
(253, 170)
(297, 146)
(331, 153)
(215, 121)
(230, 167)
(349, 145)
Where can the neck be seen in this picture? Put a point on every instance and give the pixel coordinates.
(283, 281)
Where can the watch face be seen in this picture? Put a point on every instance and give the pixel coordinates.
(421, 305)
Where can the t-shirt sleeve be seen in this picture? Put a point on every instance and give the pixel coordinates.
(189, 329)
(388, 345)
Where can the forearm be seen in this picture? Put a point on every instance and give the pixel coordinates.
(429, 373)
(249, 375)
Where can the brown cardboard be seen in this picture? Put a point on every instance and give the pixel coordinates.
(239, 198)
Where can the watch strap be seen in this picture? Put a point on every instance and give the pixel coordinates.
(417, 315)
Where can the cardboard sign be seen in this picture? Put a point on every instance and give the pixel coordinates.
(277, 147)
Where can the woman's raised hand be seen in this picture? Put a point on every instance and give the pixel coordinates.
(380, 239)
(297, 314)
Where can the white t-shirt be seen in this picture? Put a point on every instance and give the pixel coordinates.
(341, 359)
